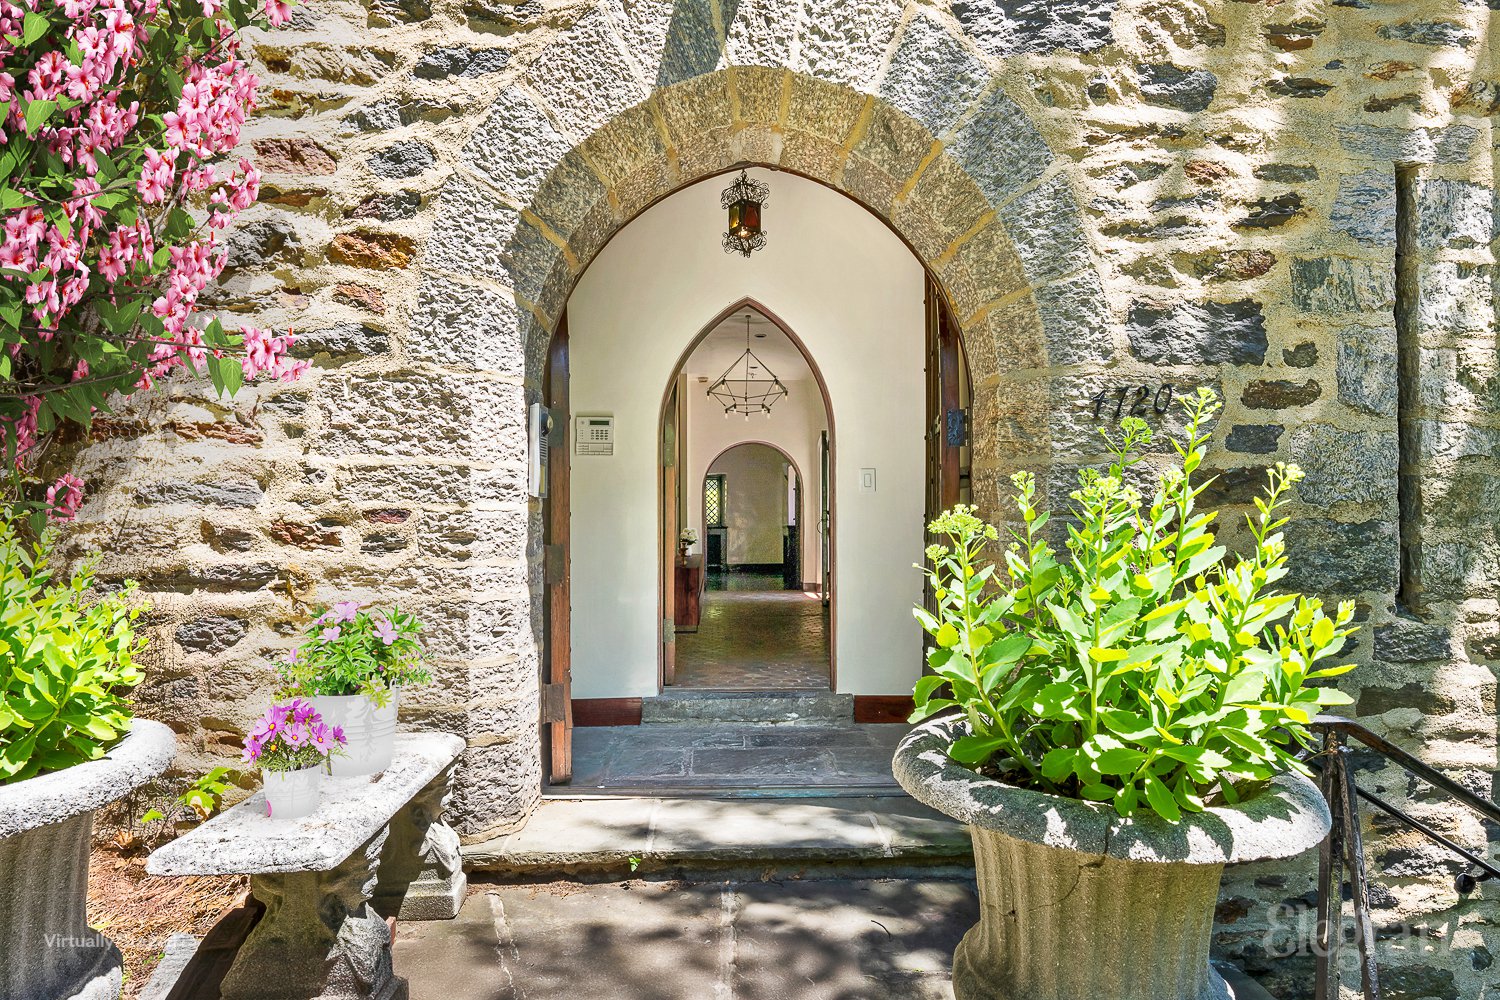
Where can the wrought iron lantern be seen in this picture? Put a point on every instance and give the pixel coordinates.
(747, 386)
(744, 200)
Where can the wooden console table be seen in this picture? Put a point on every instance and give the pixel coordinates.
(376, 847)
(689, 593)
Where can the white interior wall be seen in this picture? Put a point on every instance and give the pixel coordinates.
(755, 508)
(794, 426)
(852, 293)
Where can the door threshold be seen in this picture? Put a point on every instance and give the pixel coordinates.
(567, 792)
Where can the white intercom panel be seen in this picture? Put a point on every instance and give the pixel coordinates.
(538, 449)
(594, 436)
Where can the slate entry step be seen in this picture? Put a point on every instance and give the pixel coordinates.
(781, 707)
(734, 759)
(624, 835)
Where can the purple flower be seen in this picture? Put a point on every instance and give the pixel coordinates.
(385, 631)
(338, 735)
(331, 634)
(294, 736)
(303, 711)
(292, 656)
(344, 611)
(321, 738)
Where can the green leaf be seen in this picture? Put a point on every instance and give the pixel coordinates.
(1247, 742)
(37, 112)
(1122, 760)
(1067, 619)
(233, 374)
(974, 749)
(1008, 650)
(1244, 687)
(1160, 799)
(1126, 725)
(925, 688)
(1058, 763)
(34, 27)
(13, 199)
(1059, 700)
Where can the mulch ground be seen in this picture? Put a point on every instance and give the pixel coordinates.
(139, 911)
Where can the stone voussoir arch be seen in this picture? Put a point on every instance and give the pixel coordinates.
(902, 113)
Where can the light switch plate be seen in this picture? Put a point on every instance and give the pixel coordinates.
(867, 480)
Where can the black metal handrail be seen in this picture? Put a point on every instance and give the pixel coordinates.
(1344, 846)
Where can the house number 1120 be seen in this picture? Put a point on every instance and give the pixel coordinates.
(1131, 401)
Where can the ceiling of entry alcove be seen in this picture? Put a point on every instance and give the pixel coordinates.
(726, 342)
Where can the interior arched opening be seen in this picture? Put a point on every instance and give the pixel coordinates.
(747, 595)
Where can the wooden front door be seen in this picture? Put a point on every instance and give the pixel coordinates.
(670, 503)
(947, 408)
(948, 397)
(825, 515)
(557, 683)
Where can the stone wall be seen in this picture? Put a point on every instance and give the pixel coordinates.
(1112, 193)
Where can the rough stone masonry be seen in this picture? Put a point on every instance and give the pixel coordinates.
(1291, 201)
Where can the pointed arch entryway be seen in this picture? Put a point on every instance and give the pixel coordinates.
(962, 177)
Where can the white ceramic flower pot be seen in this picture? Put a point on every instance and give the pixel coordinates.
(370, 730)
(292, 794)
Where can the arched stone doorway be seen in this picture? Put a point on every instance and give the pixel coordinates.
(925, 142)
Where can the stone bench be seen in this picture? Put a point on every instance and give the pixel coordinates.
(376, 847)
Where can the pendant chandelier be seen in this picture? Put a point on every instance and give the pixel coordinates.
(747, 386)
(743, 200)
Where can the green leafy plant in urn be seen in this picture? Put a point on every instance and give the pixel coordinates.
(1116, 721)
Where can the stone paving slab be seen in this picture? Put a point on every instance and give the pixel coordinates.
(641, 940)
(599, 833)
(836, 939)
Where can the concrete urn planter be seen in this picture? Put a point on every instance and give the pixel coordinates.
(1079, 904)
(47, 949)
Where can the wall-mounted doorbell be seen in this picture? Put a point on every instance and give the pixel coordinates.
(538, 449)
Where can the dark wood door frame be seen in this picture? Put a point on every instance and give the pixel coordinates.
(557, 658)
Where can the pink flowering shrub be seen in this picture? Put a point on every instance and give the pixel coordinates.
(118, 119)
(292, 737)
(352, 650)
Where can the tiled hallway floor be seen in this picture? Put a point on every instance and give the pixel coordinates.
(755, 636)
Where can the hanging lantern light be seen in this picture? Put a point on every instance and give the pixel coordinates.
(744, 200)
(747, 386)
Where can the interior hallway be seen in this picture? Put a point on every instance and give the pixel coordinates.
(755, 636)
